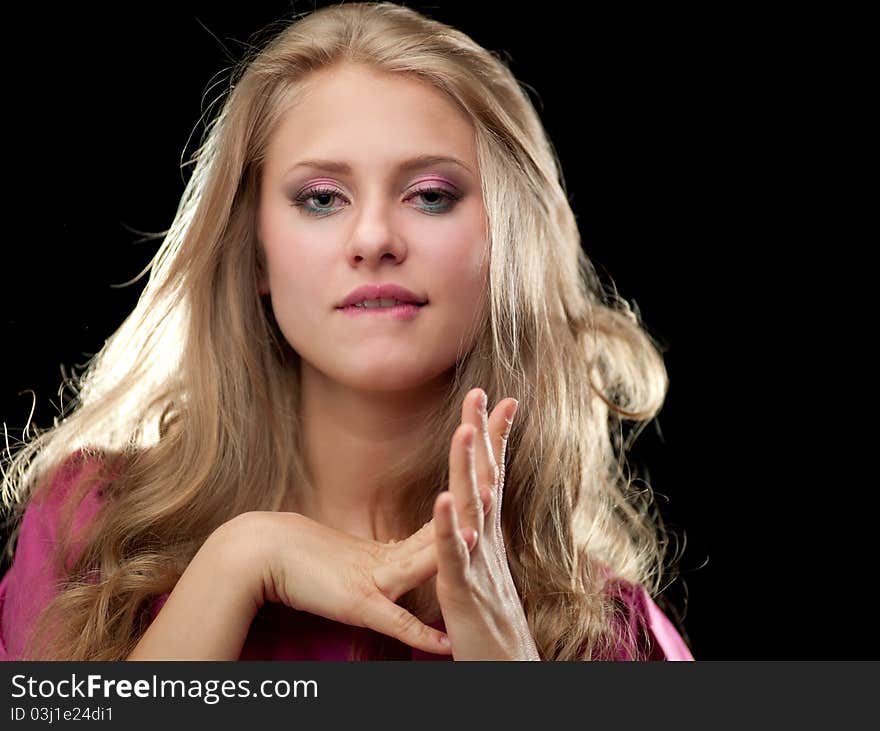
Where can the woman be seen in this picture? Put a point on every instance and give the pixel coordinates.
(269, 459)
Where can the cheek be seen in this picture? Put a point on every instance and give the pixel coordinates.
(459, 264)
(298, 269)
(293, 256)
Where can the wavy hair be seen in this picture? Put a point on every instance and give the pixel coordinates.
(192, 403)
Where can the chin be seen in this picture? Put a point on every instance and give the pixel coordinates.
(382, 379)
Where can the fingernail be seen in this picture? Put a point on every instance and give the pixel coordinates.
(444, 640)
(484, 403)
(510, 416)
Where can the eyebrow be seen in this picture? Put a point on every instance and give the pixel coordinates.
(421, 161)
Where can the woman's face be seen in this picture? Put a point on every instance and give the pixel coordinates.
(326, 230)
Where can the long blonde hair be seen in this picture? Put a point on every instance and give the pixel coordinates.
(193, 401)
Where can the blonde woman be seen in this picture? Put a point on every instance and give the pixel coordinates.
(370, 402)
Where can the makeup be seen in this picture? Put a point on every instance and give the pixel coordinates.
(397, 312)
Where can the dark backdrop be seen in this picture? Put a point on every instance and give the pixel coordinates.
(666, 130)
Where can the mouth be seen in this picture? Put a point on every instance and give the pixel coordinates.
(400, 311)
(386, 293)
(382, 307)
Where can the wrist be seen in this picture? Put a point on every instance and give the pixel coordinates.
(240, 548)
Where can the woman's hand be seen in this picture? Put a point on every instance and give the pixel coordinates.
(481, 609)
(313, 568)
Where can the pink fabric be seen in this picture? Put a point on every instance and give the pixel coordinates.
(277, 632)
(29, 583)
(657, 638)
(665, 635)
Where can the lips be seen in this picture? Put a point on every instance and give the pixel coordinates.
(380, 292)
(382, 314)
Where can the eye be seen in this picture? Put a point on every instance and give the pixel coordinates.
(445, 199)
(438, 200)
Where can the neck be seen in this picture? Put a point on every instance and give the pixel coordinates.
(350, 439)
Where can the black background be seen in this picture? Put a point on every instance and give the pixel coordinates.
(676, 149)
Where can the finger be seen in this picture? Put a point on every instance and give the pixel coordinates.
(492, 430)
(424, 536)
(500, 424)
(383, 615)
(452, 550)
(405, 572)
(491, 450)
(510, 409)
(488, 498)
(474, 412)
(463, 481)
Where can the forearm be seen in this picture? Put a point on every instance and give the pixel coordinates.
(209, 613)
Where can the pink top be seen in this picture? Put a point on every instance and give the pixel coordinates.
(277, 632)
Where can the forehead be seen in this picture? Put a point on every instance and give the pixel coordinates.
(370, 119)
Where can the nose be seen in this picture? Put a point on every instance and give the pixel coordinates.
(374, 239)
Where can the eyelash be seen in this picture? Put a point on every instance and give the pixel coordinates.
(300, 200)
